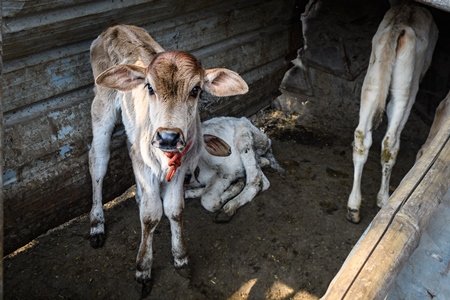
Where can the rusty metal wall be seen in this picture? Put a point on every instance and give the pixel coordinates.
(48, 89)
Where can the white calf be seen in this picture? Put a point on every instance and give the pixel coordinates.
(156, 92)
(221, 179)
(402, 49)
(441, 115)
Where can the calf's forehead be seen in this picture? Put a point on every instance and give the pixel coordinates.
(175, 71)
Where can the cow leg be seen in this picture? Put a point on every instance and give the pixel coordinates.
(173, 209)
(255, 180)
(255, 183)
(192, 193)
(138, 194)
(103, 123)
(150, 213)
(219, 190)
(398, 111)
(404, 87)
(361, 146)
(233, 190)
(212, 197)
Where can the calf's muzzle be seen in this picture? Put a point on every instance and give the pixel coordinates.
(169, 139)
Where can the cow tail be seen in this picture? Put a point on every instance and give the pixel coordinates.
(398, 42)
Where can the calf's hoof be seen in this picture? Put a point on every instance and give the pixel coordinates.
(353, 215)
(222, 217)
(147, 286)
(97, 240)
(184, 271)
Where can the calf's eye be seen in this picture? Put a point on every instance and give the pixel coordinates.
(195, 91)
(150, 89)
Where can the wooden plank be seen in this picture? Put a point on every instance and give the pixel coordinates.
(425, 274)
(439, 4)
(44, 75)
(25, 7)
(247, 51)
(261, 80)
(61, 70)
(394, 233)
(47, 130)
(217, 23)
(209, 24)
(54, 28)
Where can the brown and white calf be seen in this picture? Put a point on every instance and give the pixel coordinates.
(441, 115)
(228, 182)
(155, 94)
(402, 49)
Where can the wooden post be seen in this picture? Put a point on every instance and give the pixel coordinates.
(377, 259)
(439, 4)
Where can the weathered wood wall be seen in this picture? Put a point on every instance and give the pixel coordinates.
(48, 89)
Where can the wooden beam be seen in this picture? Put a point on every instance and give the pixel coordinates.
(439, 4)
(394, 234)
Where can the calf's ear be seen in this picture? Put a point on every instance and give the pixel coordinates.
(121, 77)
(223, 82)
(216, 146)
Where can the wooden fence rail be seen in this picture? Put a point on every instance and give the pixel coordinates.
(377, 259)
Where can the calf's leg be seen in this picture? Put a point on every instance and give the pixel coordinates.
(173, 209)
(103, 123)
(255, 178)
(150, 213)
(361, 145)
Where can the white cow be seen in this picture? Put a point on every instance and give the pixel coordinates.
(402, 49)
(156, 93)
(219, 181)
(441, 115)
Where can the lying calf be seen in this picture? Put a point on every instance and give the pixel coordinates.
(219, 180)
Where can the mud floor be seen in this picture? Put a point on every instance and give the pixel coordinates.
(288, 243)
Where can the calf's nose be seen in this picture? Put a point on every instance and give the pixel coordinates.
(168, 140)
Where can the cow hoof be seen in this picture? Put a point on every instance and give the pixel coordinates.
(184, 271)
(353, 215)
(97, 240)
(147, 286)
(222, 217)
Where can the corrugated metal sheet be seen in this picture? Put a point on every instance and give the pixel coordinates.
(48, 89)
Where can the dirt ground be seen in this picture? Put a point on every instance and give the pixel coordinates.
(288, 243)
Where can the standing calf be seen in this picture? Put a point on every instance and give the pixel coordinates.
(156, 92)
(221, 179)
(402, 49)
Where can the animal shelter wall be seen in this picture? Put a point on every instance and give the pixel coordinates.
(48, 89)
